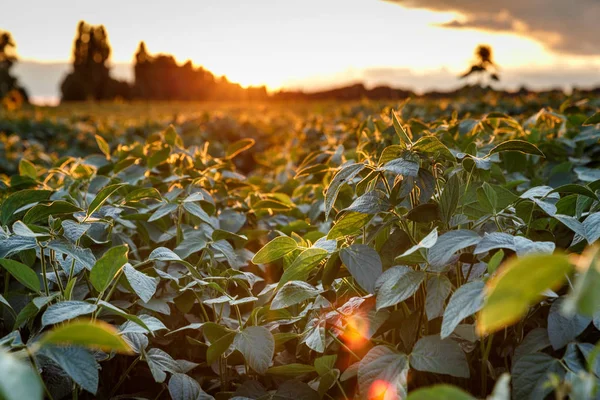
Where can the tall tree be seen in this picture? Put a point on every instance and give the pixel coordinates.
(90, 79)
(9, 85)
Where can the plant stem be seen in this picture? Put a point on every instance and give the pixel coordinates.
(45, 279)
(123, 377)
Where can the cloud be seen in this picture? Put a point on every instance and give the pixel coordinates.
(564, 26)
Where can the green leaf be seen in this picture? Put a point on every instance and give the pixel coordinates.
(383, 372)
(348, 224)
(364, 264)
(438, 289)
(197, 211)
(584, 296)
(293, 292)
(159, 156)
(19, 200)
(302, 265)
(106, 268)
(371, 202)
(78, 363)
(575, 189)
(159, 363)
(449, 198)
(43, 211)
(66, 310)
(103, 146)
(102, 196)
(143, 194)
(466, 301)
(400, 131)
(92, 334)
(183, 387)
(25, 275)
(237, 147)
(519, 285)
(426, 243)
(143, 285)
(219, 346)
(172, 137)
(73, 230)
(163, 210)
(397, 284)
(27, 169)
(531, 373)
(520, 146)
(257, 345)
(163, 254)
(275, 249)
(291, 370)
(405, 165)
(439, 392)
(563, 329)
(593, 120)
(432, 145)
(18, 380)
(449, 243)
(344, 175)
(440, 356)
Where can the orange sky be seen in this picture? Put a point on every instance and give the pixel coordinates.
(308, 44)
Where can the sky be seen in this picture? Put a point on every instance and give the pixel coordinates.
(316, 44)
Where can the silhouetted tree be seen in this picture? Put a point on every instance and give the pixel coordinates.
(90, 79)
(9, 86)
(160, 77)
(484, 64)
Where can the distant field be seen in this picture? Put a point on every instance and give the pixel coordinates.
(367, 250)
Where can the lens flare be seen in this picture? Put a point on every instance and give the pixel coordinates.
(383, 390)
(356, 332)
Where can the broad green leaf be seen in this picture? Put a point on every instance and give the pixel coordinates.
(407, 165)
(531, 374)
(372, 202)
(449, 198)
(344, 175)
(383, 372)
(432, 145)
(517, 145)
(466, 301)
(563, 329)
(257, 345)
(426, 243)
(143, 285)
(21, 272)
(440, 356)
(302, 265)
(293, 292)
(275, 249)
(172, 137)
(43, 211)
(163, 210)
(584, 296)
(449, 243)
(27, 169)
(73, 230)
(518, 286)
(102, 196)
(219, 346)
(364, 264)
(591, 225)
(91, 334)
(438, 290)
(142, 194)
(163, 254)
(78, 363)
(103, 146)
(159, 363)
(107, 267)
(183, 387)
(349, 223)
(18, 380)
(575, 189)
(66, 310)
(536, 340)
(440, 392)
(159, 156)
(396, 285)
(237, 147)
(18, 200)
